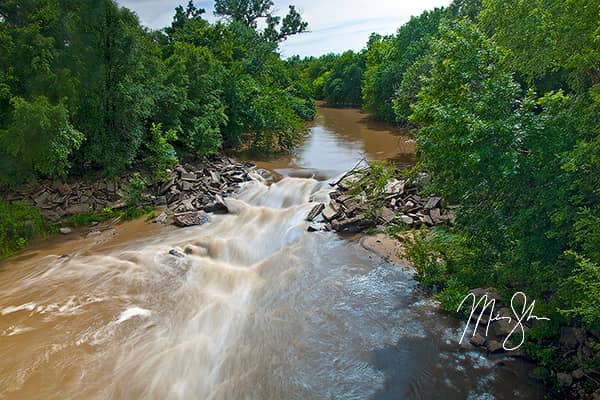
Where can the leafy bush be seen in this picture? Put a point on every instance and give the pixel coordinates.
(135, 192)
(582, 290)
(161, 154)
(19, 223)
(39, 140)
(372, 182)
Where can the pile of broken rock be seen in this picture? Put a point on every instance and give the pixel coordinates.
(401, 203)
(193, 191)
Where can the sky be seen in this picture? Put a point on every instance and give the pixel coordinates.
(334, 25)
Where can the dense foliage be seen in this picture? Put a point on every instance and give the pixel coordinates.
(18, 224)
(335, 79)
(84, 87)
(505, 99)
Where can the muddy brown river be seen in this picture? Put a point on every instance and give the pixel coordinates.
(261, 309)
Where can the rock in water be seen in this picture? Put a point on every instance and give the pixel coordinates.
(161, 219)
(176, 253)
(316, 210)
(66, 231)
(191, 218)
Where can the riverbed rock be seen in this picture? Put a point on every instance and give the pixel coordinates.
(329, 213)
(65, 231)
(161, 219)
(478, 340)
(191, 218)
(176, 253)
(351, 225)
(315, 211)
(503, 327)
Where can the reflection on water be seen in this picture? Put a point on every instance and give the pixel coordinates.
(337, 140)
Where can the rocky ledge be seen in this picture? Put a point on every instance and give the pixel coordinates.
(400, 202)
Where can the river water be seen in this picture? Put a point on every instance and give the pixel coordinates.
(259, 309)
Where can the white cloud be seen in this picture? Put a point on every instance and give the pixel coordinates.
(335, 25)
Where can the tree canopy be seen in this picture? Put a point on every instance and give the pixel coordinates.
(88, 83)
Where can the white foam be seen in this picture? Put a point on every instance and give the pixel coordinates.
(16, 330)
(12, 309)
(133, 312)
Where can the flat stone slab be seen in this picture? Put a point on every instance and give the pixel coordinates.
(191, 218)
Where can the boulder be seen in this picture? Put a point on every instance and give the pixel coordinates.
(478, 340)
(386, 215)
(77, 209)
(436, 215)
(176, 253)
(433, 202)
(395, 187)
(316, 227)
(314, 213)
(494, 346)
(188, 176)
(111, 186)
(160, 201)
(191, 218)
(164, 188)
(351, 225)
(186, 186)
(406, 219)
(578, 374)
(329, 213)
(215, 206)
(503, 327)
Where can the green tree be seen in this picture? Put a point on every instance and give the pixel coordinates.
(115, 99)
(388, 58)
(249, 12)
(38, 140)
(554, 40)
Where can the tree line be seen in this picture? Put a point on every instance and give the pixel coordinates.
(85, 88)
(504, 101)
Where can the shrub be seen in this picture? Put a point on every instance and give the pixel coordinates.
(134, 193)
(19, 223)
(161, 154)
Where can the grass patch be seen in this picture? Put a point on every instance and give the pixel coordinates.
(125, 214)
